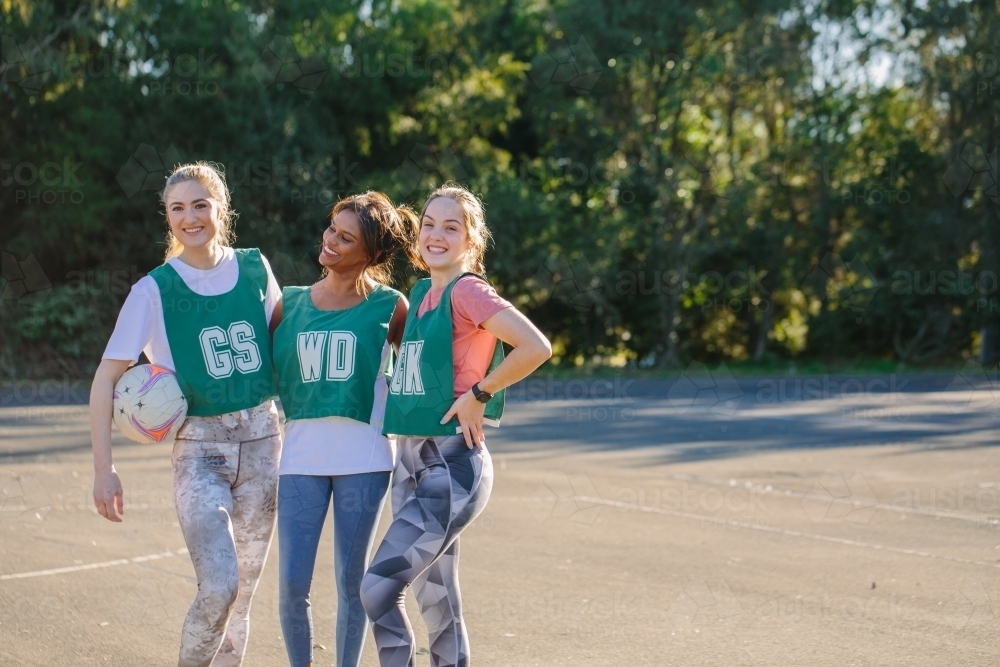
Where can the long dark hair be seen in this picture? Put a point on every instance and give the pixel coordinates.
(385, 230)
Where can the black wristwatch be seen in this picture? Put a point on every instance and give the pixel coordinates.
(481, 396)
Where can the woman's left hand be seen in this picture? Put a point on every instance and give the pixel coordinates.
(470, 417)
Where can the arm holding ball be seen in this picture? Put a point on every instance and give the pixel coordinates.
(108, 495)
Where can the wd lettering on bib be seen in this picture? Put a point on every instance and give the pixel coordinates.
(315, 353)
(328, 360)
(406, 379)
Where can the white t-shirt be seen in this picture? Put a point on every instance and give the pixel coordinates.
(140, 326)
(338, 445)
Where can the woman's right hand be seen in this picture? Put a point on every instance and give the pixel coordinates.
(109, 499)
(108, 496)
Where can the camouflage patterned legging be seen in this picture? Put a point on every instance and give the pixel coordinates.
(225, 489)
(438, 488)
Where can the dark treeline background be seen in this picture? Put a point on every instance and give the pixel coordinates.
(667, 182)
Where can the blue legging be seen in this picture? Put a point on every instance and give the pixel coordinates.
(302, 505)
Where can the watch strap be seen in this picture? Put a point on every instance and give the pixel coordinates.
(481, 396)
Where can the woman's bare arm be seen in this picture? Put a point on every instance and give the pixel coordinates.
(398, 323)
(276, 316)
(108, 495)
(531, 349)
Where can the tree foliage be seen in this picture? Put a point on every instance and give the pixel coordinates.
(665, 181)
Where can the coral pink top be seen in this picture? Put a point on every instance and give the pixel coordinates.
(473, 301)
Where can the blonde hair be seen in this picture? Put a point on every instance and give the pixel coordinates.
(385, 230)
(474, 218)
(211, 177)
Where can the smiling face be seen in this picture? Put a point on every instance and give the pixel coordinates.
(192, 214)
(343, 250)
(444, 239)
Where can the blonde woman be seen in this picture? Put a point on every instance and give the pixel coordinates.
(448, 382)
(205, 314)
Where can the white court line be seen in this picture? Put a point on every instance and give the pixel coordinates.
(93, 566)
(784, 531)
(853, 502)
(16, 511)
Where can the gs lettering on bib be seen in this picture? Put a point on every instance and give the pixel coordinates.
(229, 350)
(220, 344)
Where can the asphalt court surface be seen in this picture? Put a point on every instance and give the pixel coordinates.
(707, 520)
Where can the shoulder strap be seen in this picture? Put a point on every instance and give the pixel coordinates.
(252, 266)
(383, 296)
(473, 273)
(451, 286)
(418, 292)
(167, 279)
(292, 294)
(388, 291)
(164, 270)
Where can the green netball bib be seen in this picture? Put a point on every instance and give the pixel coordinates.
(328, 360)
(220, 344)
(421, 389)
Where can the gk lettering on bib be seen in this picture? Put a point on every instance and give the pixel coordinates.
(406, 379)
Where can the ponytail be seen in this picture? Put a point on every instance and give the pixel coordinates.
(409, 233)
(385, 230)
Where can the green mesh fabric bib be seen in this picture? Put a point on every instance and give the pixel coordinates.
(328, 360)
(421, 389)
(220, 344)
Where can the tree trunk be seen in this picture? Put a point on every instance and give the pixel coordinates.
(989, 331)
(989, 344)
(763, 328)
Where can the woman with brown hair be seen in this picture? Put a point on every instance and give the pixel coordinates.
(330, 351)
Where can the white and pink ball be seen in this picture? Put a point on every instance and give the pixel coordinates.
(149, 405)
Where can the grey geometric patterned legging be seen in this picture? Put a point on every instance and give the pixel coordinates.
(225, 489)
(438, 488)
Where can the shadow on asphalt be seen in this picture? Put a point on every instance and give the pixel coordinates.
(689, 418)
